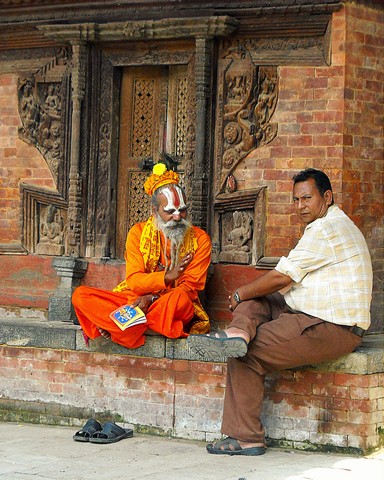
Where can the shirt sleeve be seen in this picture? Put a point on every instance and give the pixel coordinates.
(312, 252)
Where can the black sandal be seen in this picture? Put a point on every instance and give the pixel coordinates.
(92, 426)
(230, 446)
(216, 347)
(111, 433)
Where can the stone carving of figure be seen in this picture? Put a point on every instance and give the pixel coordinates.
(29, 109)
(241, 232)
(52, 101)
(265, 102)
(52, 228)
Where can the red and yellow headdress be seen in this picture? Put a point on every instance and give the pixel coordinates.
(160, 177)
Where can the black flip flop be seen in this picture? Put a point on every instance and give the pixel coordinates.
(91, 426)
(217, 348)
(111, 433)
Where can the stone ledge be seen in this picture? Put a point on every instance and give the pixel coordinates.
(41, 333)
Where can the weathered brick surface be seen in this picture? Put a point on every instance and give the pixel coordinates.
(303, 409)
(19, 162)
(27, 280)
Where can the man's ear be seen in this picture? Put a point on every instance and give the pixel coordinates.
(328, 197)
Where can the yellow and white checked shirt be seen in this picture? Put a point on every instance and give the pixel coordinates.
(332, 271)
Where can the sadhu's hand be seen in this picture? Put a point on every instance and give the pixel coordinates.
(143, 302)
(178, 269)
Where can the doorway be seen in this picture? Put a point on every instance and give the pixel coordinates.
(153, 120)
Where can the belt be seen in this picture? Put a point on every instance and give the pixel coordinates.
(360, 332)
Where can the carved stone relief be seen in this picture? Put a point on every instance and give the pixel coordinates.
(241, 226)
(236, 245)
(42, 102)
(44, 220)
(42, 111)
(51, 230)
(247, 100)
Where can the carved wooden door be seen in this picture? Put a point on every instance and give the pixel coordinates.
(152, 121)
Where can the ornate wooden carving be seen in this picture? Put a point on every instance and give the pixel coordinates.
(153, 119)
(247, 100)
(288, 50)
(43, 108)
(75, 184)
(44, 115)
(202, 166)
(106, 162)
(166, 28)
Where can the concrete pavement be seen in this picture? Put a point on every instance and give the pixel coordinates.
(50, 453)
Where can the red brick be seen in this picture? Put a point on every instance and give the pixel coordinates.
(352, 404)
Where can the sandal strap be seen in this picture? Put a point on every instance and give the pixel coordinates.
(226, 443)
(110, 430)
(90, 427)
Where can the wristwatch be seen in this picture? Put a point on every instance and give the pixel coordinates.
(154, 297)
(236, 297)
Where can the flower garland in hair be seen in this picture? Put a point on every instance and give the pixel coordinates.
(160, 177)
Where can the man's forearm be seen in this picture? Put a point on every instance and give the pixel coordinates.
(270, 282)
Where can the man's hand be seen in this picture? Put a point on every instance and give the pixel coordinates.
(143, 302)
(178, 269)
(232, 301)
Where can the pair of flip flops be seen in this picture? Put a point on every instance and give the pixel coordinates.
(216, 347)
(93, 432)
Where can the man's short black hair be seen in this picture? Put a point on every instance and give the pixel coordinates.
(321, 180)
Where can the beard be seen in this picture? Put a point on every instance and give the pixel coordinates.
(175, 233)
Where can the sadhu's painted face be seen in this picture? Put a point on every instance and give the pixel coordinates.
(172, 205)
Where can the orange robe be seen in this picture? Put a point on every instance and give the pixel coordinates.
(170, 315)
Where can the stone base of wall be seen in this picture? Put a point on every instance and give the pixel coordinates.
(50, 376)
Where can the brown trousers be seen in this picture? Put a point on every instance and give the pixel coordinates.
(280, 338)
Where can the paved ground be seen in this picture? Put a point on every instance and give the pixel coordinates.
(43, 452)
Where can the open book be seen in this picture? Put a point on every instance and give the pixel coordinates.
(127, 316)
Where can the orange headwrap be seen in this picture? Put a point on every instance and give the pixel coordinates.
(160, 176)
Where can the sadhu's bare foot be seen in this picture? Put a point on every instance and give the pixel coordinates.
(104, 333)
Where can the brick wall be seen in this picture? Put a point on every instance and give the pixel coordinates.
(27, 281)
(19, 162)
(363, 172)
(325, 408)
(305, 409)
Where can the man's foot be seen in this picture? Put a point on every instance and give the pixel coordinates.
(104, 333)
(231, 446)
(218, 346)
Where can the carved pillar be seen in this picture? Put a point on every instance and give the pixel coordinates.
(70, 271)
(202, 76)
(75, 185)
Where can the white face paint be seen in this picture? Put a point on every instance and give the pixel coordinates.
(175, 200)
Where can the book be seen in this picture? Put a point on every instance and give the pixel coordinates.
(127, 316)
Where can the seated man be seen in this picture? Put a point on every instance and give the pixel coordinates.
(167, 260)
(320, 315)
